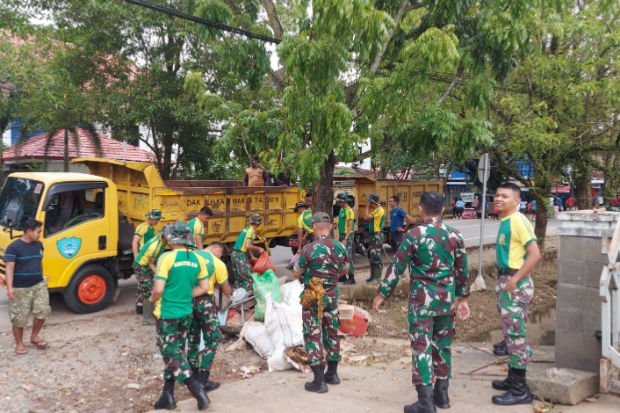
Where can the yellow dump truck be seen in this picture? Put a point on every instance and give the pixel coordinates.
(358, 186)
(89, 219)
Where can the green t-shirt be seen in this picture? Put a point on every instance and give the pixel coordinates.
(345, 215)
(145, 232)
(153, 248)
(181, 269)
(196, 227)
(375, 226)
(247, 234)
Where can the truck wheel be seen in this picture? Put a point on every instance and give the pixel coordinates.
(294, 250)
(89, 290)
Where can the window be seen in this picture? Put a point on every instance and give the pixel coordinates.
(68, 205)
(20, 198)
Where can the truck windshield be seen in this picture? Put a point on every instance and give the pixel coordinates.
(22, 196)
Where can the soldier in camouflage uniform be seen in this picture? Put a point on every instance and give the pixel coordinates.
(346, 232)
(376, 215)
(437, 261)
(320, 264)
(517, 254)
(144, 268)
(205, 321)
(178, 271)
(239, 255)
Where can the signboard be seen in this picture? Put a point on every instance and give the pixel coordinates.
(467, 196)
(484, 168)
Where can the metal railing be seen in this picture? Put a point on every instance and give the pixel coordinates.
(610, 317)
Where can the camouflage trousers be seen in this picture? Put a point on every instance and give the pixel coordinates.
(146, 279)
(375, 246)
(205, 322)
(321, 335)
(242, 269)
(431, 339)
(35, 298)
(171, 339)
(514, 314)
(350, 252)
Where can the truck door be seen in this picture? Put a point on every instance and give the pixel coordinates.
(74, 228)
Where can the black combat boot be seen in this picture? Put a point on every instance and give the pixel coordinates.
(440, 393)
(331, 375)
(500, 349)
(425, 402)
(518, 392)
(209, 385)
(166, 400)
(342, 279)
(503, 385)
(198, 392)
(139, 309)
(351, 280)
(318, 384)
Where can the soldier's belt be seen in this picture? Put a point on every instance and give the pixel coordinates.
(506, 271)
(326, 281)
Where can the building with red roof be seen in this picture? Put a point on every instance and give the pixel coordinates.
(50, 153)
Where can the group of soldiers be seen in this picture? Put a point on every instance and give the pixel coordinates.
(433, 252)
(175, 292)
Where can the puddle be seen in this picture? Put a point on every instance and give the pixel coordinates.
(540, 330)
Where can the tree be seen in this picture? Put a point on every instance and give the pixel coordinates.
(566, 111)
(43, 94)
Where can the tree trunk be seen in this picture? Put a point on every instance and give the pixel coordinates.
(65, 167)
(167, 161)
(322, 194)
(583, 193)
(540, 230)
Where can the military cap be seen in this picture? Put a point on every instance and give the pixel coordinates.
(154, 214)
(256, 219)
(177, 233)
(373, 198)
(301, 204)
(342, 197)
(321, 217)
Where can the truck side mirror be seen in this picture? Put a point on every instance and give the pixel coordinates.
(11, 217)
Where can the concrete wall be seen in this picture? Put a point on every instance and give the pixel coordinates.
(582, 254)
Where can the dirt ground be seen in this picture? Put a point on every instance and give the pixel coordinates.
(110, 363)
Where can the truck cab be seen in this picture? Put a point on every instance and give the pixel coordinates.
(80, 231)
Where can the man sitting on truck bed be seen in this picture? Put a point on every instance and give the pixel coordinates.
(143, 234)
(255, 175)
(197, 228)
(239, 256)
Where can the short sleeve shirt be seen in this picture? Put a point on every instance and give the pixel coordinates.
(181, 269)
(397, 219)
(152, 249)
(378, 219)
(145, 232)
(247, 234)
(28, 259)
(514, 235)
(345, 215)
(216, 269)
(304, 221)
(196, 227)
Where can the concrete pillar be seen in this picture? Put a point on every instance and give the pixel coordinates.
(582, 255)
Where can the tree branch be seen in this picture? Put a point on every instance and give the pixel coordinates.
(274, 19)
(459, 72)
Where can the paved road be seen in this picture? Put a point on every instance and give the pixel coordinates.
(282, 255)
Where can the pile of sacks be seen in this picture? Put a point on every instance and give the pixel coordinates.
(280, 338)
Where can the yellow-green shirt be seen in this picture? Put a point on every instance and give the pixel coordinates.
(514, 235)
(345, 215)
(145, 232)
(152, 249)
(378, 218)
(196, 227)
(246, 234)
(181, 269)
(304, 221)
(216, 269)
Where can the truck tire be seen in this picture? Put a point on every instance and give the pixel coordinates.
(90, 289)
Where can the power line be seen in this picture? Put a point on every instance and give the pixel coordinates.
(205, 22)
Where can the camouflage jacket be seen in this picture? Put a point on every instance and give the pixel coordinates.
(437, 261)
(325, 258)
